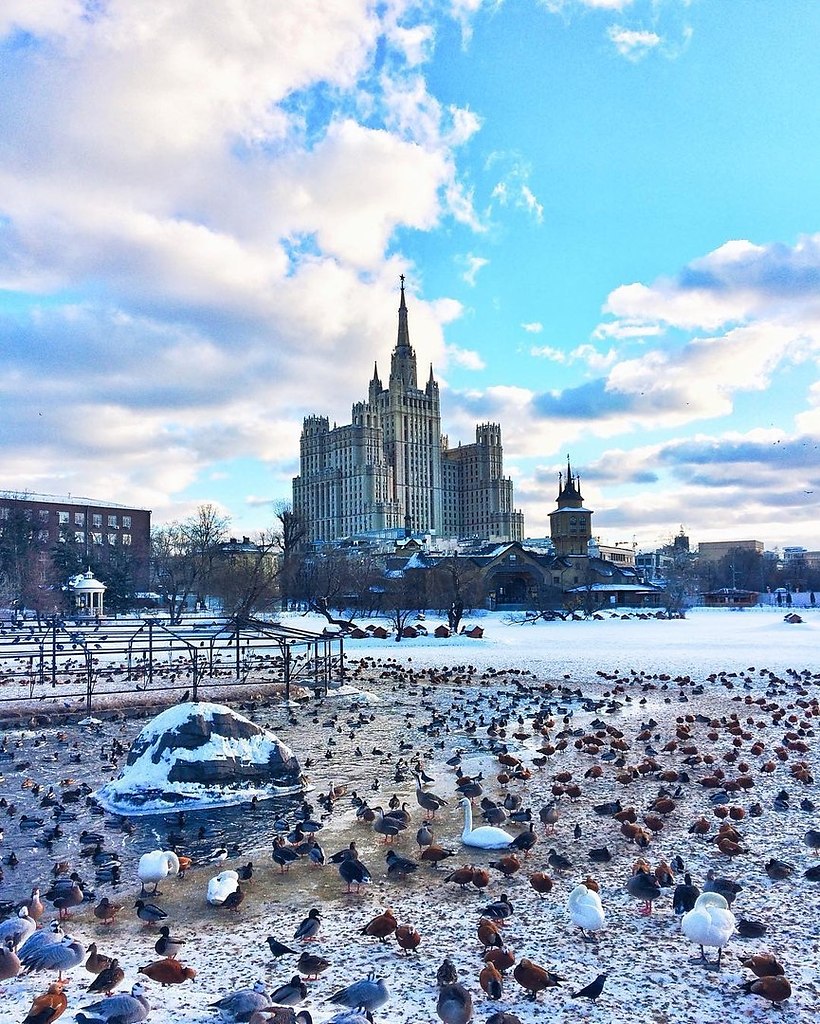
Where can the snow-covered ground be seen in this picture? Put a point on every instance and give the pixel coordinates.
(432, 697)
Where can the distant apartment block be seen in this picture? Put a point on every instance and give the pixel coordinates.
(714, 550)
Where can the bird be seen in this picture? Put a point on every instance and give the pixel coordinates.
(454, 1004)
(124, 1008)
(353, 872)
(167, 946)
(727, 887)
(533, 978)
(763, 965)
(382, 926)
(95, 961)
(643, 886)
(17, 929)
(312, 965)
(592, 990)
(290, 993)
(149, 913)
(308, 928)
(10, 965)
(541, 882)
(368, 994)
(485, 837)
(408, 938)
(557, 861)
(54, 956)
(775, 989)
(106, 911)
(709, 923)
(447, 973)
(778, 869)
(685, 895)
(47, 1007)
(108, 978)
(168, 971)
(221, 886)
(427, 800)
(154, 867)
(525, 841)
(399, 866)
(586, 911)
(499, 910)
(239, 1005)
(277, 948)
(491, 981)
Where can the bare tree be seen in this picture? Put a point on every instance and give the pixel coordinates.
(291, 531)
(403, 597)
(455, 584)
(247, 580)
(183, 556)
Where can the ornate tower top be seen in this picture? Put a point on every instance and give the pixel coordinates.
(570, 489)
(403, 361)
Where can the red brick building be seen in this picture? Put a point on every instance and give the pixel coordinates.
(97, 528)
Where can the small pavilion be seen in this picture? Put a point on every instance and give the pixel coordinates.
(88, 595)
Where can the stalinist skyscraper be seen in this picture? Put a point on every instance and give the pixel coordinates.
(391, 469)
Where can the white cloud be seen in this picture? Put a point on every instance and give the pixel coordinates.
(533, 327)
(474, 264)
(513, 190)
(634, 44)
(555, 355)
(468, 358)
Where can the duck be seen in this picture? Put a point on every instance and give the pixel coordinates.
(156, 866)
(491, 981)
(47, 1007)
(408, 938)
(353, 871)
(775, 989)
(221, 886)
(709, 923)
(428, 801)
(96, 961)
(108, 978)
(106, 911)
(312, 965)
(308, 928)
(685, 896)
(485, 837)
(728, 888)
(124, 1008)
(533, 978)
(454, 1004)
(586, 911)
(167, 946)
(149, 913)
(381, 926)
(291, 993)
(10, 965)
(168, 971)
(763, 965)
(541, 882)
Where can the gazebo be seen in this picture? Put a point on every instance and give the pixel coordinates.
(88, 594)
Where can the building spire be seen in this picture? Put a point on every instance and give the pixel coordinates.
(403, 340)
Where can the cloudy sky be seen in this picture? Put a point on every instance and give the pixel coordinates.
(608, 212)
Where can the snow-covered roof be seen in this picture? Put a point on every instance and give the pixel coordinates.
(65, 499)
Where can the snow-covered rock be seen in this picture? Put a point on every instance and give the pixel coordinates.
(198, 754)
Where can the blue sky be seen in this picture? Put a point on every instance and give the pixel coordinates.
(607, 212)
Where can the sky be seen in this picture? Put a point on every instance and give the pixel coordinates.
(607, 211)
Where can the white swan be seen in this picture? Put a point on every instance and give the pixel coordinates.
(221, 886)
(155, 866)
(586, 910)
(485, 837)
(709, 923)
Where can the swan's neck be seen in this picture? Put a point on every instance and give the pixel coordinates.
(468, 818)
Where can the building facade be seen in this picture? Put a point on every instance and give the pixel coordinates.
(98, 529)
(390, 468)
(570, 523)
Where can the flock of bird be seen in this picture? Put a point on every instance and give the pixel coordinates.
(695, 782)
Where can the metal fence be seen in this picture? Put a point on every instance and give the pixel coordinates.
(79, 658)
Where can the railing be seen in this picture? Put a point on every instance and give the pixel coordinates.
(68, 659)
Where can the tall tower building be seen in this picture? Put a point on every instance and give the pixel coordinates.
(570, 523)
(390, 469)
